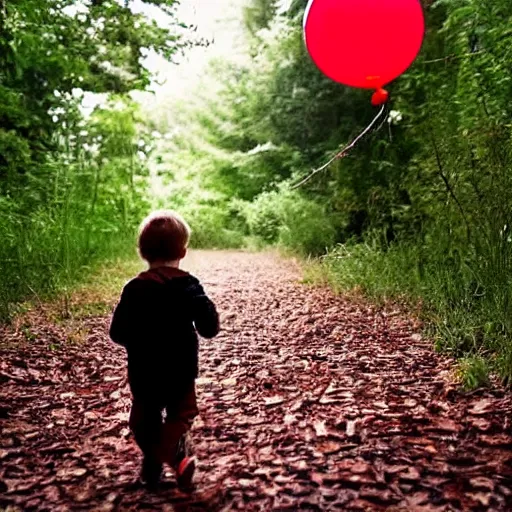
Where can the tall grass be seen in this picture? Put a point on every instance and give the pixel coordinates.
(464, 301)
(78, 209)
(42, 253)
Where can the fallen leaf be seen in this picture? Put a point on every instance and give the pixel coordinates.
(360, 468)
(412, 474)
(320, 429)
(352, 427)
(274, 400)
(482, 483)
(68, 474)
(481, 407)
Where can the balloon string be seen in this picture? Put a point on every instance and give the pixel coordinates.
(344, 152)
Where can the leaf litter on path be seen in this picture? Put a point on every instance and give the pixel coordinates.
(308, 401)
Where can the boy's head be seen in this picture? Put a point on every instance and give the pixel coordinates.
(163, 237)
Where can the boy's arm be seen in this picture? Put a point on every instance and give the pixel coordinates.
(121, 326)
(204, 313)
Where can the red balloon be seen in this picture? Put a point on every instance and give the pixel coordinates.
(364, 43)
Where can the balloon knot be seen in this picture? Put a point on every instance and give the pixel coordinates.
(380, 97)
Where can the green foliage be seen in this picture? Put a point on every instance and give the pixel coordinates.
(259, 14)
(72, 185)
(50, 51)
(208, 224)
(290, 220)
(422, 208)
(458, 314)
(474, 372)
(83, 212)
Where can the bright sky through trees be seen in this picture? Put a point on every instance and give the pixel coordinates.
(217, 21)
(220, 23)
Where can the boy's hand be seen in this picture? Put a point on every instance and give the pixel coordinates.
(204, 313)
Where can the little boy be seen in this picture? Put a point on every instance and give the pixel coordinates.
(156, 320)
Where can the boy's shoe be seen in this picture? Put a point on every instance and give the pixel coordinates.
(185, 473)
(151, 472)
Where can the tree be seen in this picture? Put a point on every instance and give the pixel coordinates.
(50, 48)
(259, 14)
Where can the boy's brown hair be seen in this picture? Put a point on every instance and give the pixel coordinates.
(163, 236)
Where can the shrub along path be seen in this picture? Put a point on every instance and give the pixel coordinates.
(309, 402)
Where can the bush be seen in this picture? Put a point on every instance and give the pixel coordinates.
(473, 372)
(287, 218)
(213, 227)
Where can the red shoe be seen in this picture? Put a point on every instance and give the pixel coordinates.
(185, 472)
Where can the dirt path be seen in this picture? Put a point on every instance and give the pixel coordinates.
(309, 402)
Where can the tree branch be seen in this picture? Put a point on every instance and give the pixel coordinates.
(450, 188)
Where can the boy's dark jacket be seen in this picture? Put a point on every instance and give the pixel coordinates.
(156, 320)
